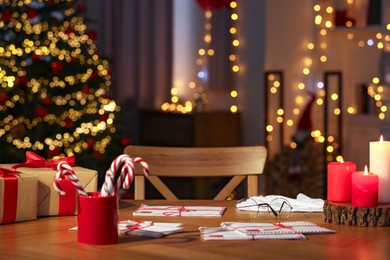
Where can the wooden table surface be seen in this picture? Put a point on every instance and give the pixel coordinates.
(49, 238)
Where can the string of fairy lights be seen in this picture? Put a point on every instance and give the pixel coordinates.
(69, 43)
(323, 19)
(199, 86)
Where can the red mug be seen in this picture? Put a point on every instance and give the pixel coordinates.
(97, 219)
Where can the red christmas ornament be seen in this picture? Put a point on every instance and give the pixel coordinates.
(36, 57)
(125, 141)
(53, 152)
(103, 118)
(46, 101)
(6, 16)
(57, 67)
(80, 7)
(70, 31)
(3, 98)
(86, 89)
(92, 35)
(31, 13)
(41, 112)
(22, 80)
(68, 123)
(98, 155)
(213, 4)
(90, 143)
(94, 75)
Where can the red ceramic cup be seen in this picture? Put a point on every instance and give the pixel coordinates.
(97, 219)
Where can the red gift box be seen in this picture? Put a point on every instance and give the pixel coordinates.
(18, 196)
(50, 202)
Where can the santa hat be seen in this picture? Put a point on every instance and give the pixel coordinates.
(305, 122)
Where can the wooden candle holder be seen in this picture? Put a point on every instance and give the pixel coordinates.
(346, 214)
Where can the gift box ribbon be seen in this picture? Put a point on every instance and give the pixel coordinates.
(10, 194)
(67, 202)
(33, 160)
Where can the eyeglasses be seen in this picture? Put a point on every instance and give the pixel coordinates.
(278, 209)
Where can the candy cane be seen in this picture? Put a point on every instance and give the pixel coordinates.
(144, 165)
(64, 169)
(125, 163)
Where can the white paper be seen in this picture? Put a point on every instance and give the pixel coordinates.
(184, 211)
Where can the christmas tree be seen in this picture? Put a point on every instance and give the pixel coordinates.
(54, 87)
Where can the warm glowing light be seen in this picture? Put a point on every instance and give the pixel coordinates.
(337, 111)
(233, 93)
(301, 86)
(334, 96)
(269, 128)
(317, 8)
(375, 80)
(233, 109)
(290, 122)
(280, 112)
(350, 36)
(339, 158)
(306, 71)
(310, 46)
(323, 58)
(351, 110)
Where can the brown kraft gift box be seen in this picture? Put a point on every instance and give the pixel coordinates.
(18, 196)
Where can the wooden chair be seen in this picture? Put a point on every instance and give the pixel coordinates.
(237, 162)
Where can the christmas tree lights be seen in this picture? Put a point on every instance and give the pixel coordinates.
(54, 87)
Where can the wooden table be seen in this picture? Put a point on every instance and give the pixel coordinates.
(49, 238)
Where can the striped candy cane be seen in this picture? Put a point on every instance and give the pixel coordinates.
(144, 165)
(125, 164)
(64, 169)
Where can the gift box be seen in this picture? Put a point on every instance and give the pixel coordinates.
(50, 202)
(18, 196)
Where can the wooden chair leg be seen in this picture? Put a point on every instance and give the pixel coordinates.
(253, 185)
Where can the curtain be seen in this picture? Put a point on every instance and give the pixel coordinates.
(136, 37)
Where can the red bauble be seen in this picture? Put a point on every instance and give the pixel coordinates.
(22, 80)
(98, 155)
(3, 98)
(86, 89)
(47, 101)
(53, 152)
(69, 31)
(57, 67)
(213, 4)
(92, 35)
(6, 16)
(103, 117)
(31, 13)
(68, 123)
(80, 7)
(94, 75)
(90, 143)
(41, 112)
(36, 57)
(125, 141)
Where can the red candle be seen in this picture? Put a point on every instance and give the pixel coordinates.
(364, 189)
(339, 181)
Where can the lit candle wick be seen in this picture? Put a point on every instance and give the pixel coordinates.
(381, 139)
(365, 170)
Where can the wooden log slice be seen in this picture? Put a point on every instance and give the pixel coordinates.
(346, 214)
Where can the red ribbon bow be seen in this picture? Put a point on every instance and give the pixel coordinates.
(5, 172)
(33, 160)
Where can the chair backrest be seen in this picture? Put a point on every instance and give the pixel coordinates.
(237, 162)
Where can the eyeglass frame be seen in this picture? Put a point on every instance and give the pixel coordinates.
(270, 208)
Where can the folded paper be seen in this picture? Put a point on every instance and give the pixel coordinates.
(18, 196)
(255, 231)
(184, 211)
(148, 228)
